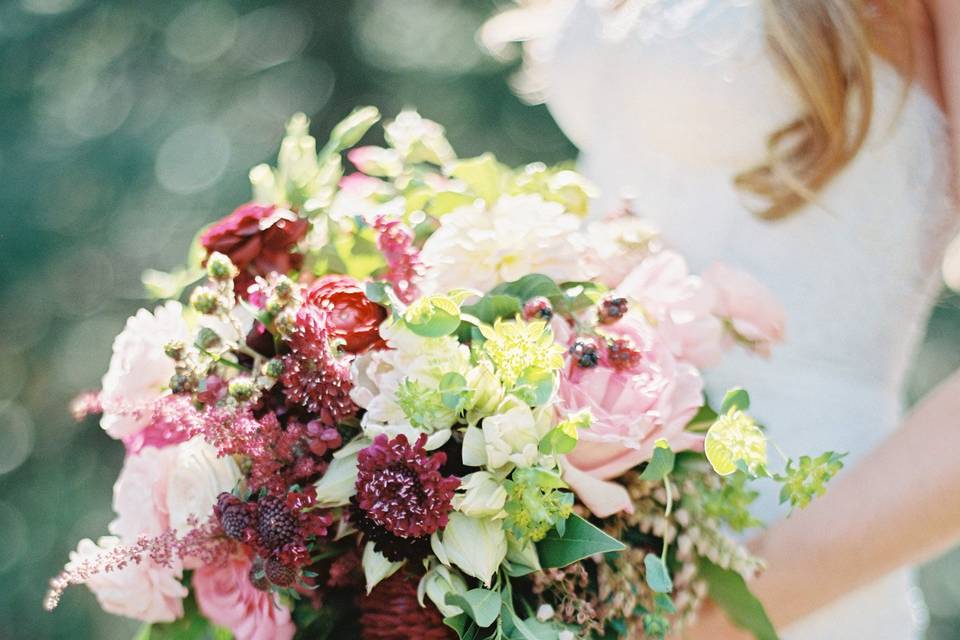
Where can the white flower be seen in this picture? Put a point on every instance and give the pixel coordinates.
(376, 567)
(377, 377)
(139, 369)
(545, 613)
(144, 591)
(436, 584)
(483, 496)
(513, 434)
(476, 545)
(479, 248)
(198, 476)
(418, 139)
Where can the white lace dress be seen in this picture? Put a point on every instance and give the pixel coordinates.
(668, 100)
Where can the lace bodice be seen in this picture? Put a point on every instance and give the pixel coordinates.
(668, 100)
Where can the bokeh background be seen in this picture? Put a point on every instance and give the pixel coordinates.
(125, 126)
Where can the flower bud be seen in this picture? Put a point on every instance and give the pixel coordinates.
(181, 383)
(273, 368)
(207, 338)
(205, 300)
(220, 267)
(241, 388)
(174, 349)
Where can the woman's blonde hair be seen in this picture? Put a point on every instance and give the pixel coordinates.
(824, 47)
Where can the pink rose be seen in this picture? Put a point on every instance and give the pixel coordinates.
(226, 597)
(750, 308)
(681, 305)
(632, 409)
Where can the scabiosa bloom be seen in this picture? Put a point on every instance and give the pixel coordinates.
(313, 377)
(402, 498)
(404, 267)
(284, 525)
(350, 315)
(392, 612)
(258, 239)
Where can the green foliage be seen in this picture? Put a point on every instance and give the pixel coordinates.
(432, 316)
(661, 464)
(656, 573)
(579, 540)
(493, 306)
(192, 626)
(808, 477)
(481, 605)
(536, 503)
(535, 385)
(351, 129)
(424, 406)
(736, 398)
(731, 502)
(532, 285)
(483, 175)
(729, 591)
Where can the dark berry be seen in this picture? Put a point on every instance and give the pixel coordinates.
(279, 573)
(585, 352)
(234, 515)
(276, 526)
(622, 354)
(537, 309)
(612, 309)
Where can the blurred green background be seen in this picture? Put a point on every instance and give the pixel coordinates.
(124, 127)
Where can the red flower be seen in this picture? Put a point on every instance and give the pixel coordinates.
(351, 316)
(258, 239)
(402, 498)
(392, 612)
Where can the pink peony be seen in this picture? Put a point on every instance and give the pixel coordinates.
(680, 304)
(226, 596)
(752, 311)
(143, 591)
(632, 408)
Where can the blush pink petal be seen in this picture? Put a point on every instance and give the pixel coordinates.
(226, 596)
(603, 498)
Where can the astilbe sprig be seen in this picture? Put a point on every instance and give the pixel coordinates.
(204, 543)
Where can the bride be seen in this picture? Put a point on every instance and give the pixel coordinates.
(807, 141)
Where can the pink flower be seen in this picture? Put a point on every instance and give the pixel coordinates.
(143, 591)
(226, 596)
(680, 304)
(751, 309)
(140, 494)
(632, 408)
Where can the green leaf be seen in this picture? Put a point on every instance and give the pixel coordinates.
(735, 399)
(705, 417)
(482, 174)
(664, 603)
(660, 465)
(453, 389)
(535, 386)
(579, 540)
(432, 317)
(466, 628)
(192, 626)
(482, 605)
(493, 306)
(529, 286)
(558, 441)
(729, 591)
(445, 202)
(657, 574)
(376, 291)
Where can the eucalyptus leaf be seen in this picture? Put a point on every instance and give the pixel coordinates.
(493, 306)
(532, 285)
(736, 398)
(657, 574)
(482, 605)
(660, 465)
(580, 540)
(729, 591)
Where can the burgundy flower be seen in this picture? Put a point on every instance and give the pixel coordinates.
(392, 612)
(351, 316)
(258, 239)
(313, 377)
(402, 498)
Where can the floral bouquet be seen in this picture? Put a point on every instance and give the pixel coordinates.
(426, 400)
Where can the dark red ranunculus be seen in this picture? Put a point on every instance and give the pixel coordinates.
(258, 239)
(351, 315)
